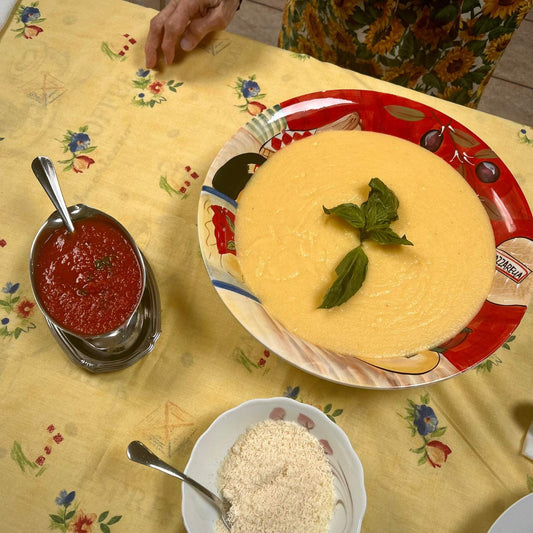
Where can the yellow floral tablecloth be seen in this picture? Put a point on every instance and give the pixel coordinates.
(137, 144)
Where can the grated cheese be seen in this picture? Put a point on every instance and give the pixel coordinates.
(278, 480)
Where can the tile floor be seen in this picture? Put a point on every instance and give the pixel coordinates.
(509, 93)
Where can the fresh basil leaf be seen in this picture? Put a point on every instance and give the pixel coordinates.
(376, 216)
(351, 213)
(387, 236)
(373, 221)
(380, 196)
(351, 273)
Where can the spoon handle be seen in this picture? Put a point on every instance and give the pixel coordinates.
(139, 453)
(45, 173)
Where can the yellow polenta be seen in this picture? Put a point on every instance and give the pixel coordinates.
(414, 297)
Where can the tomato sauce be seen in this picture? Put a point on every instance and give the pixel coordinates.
(89, 281)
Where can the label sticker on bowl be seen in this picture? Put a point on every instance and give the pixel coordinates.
(510, 267)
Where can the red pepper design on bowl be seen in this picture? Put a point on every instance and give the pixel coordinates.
(224, 221)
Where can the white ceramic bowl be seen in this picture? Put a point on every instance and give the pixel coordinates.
(517, 518)
(212, 447)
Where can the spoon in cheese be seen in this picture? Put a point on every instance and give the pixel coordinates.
(139, 453)
(45, 172)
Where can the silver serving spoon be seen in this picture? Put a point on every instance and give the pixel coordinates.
(139, 453)
(45, 172)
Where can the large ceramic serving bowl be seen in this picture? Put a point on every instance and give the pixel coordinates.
(483, 170)
(212, 447)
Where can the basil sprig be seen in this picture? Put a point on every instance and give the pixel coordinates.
(372, 219)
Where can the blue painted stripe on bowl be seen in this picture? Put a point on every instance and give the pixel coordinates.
(214, 192)
(234, 288)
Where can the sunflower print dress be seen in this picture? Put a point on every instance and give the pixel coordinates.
(445, 48)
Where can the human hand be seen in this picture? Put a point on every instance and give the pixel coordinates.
(186, 22)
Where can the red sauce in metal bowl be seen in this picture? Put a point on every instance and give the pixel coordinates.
(89, 281)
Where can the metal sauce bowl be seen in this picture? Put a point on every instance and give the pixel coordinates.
(120, 339)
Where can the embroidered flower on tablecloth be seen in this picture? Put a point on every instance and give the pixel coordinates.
(65, 498)
(39, 464)
(294, 393)
(76, 520)
(15, 312)
(180, 188)
(249, 90)
(301, 57)
(28, 16)
(117, 48)
(291, 392)
(150, 91)
(82, 522)
(424, 422)
(525, 136)
(250, 364)
(424, 419)
(78, 143)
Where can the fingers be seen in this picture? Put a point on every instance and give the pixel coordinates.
(187, 22)
(215, 19)
(176, 23)
(155, 35)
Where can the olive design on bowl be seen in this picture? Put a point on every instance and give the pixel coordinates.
(487, 172)
(432, 140)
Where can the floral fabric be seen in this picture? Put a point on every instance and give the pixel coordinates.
(445, 48)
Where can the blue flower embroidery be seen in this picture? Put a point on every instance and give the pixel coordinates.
(30, 14)
(250, 88)
(291, 392)
(142, 73)
(65, 498)
(425, 419)
(10, 288)
(79, 141)
(5, 321)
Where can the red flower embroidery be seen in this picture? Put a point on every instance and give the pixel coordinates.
(81, 163)
(82, 522)
(155, 87)
(47, 450)
(40, 460)
(24, 308)
(437, 453)
(254, 108)
(58, 438)
(31, 31)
